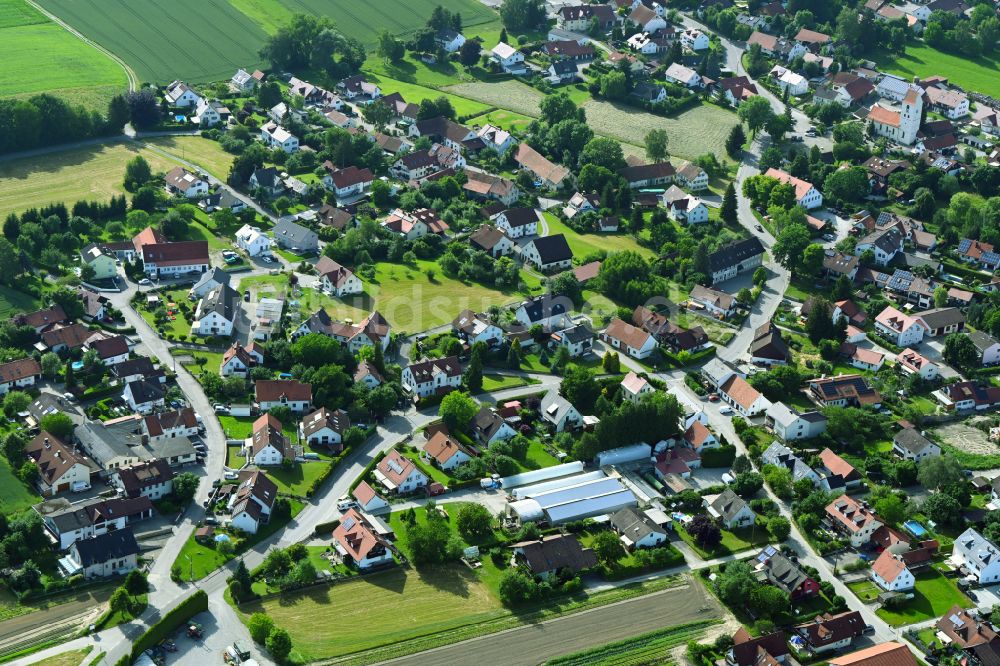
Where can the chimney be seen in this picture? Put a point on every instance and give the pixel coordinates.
(47, 445)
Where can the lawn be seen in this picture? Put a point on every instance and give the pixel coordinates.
(509, 120)
(979, 74)
(71, 658)
(197, 560)
(240, 427)
(177, 324)
(586, 244)
(397, 606)
(430, 470)
(161, 42)
(511, 95)
(13, 301)
(298, 478)
(213, 360)
(537, 457)
(648, 648)
(933, 595)
(415, 94)
(94, 173)
(206, 153)
(735, 541)
(14, 495)
(702, 129)
(40, 56)
(497, 382)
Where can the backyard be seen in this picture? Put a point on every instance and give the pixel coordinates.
(733, 541)
(933, 596)
(587, 244)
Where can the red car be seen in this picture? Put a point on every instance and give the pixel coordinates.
(713, 397)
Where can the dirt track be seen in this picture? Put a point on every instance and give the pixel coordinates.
(534, 644)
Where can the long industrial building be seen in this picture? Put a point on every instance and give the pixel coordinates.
(570, 498)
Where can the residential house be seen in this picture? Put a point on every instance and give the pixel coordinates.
(789, 424)
(736, 89)
(667, 333)
(694, 40)
(445, 452)
(647, 19)
(844, 391)
(683, 76)
(558, 412)
(547, 311)
(769, 347)
(548, 253)
(242, 81)
(837, 263)
(552, 176)
(547, 556)
(433, 376)
(578, 340)
(170, 425)
(113, 553)
(634, 387)
(975, 252)
(143, 396)
(216, 312)
(15, 375)
(896, 654)
(135, 369)
(779, 455)
(987, 347)
(579, 18)
(581, 203)
(267, 444)
(101, 261)
(237, 360)
(853, 519)
(358, 542)
(911, 362)
(446, 131)
(337, 280)
(683, 207)
(508, 58)
(337, 218)
(268, 181)
(966, 629)
(371, 331)
(900, 329)
(295, 395)
(976, 557)
(734, 258)
(71, 522)
(729, 509)
(487, 186)
(889, 572)
(251, 505)
(850, 88)
(42, 320)
(742, 397)
(717, 303)
(648, 175)
(949, 103)
(829, 633)
(110, 350)
(910, 444)
(359, 89)
(60, 467)
(806, 195)
(636, 530)
(63, 338)
(253, 241)
(415, 224)
(368, 375)
(368, 500)
(767, 650)
(180, 95)
(496, 138)
(473, 328)
(349, 182)
(449, 40)
(295, 237)
(150, 478)
(518, 222)
(940, 321)
(837, 473)
(786, 79)
(275, 136)
(161, 258)
(222, 200)
(850, 311)
(397, 474)
(633, 340)
(94, 304)
(785, 574)
(107, 445)
(967, 395)
(649, 93)
(488, 426)
(811, 39)
(861, 358)
(698, 438)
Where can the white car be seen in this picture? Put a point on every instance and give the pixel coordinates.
(145, 282)
(725, 410)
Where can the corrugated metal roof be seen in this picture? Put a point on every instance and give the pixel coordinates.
(539, 488)
(543, 474)
(593, 506)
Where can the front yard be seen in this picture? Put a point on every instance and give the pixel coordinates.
(734, 541)
(933, 596)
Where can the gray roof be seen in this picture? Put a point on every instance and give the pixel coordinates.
(939, 317)
(554, 407)
(216, 275)
(143, 391)
(105, 443)
(171, 447)
(780, 455)
(782, 572)
(974, 546)
(982, 340)
(633, 524)
(223, 300)
(888, 240)
(294, 235)
(728, 504)
(718, 370)
(110, 546)
(911, 440)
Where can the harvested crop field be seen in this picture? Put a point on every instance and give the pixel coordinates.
(510, 95)
(967, 439)
(694, 132)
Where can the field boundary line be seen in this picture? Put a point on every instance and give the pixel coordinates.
(129, 73)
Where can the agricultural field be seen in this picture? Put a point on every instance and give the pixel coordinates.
(93, 173)
(654, 647)
(160, 42)
(694, 132)
(415, 94)
(40, 56)
(979, 74)
(511, 95)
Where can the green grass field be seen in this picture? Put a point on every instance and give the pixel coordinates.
(14, 495)
(981, 74)
(206, 153)
(71, 658)
(511, 95)
(162, 42)
(415, 94)
(40, 56)
(932, 597)
(94, 173)
(13, 302)
(584, 244)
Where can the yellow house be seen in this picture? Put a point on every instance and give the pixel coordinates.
(102, 262)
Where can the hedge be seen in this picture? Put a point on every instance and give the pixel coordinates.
(367, 470)
(327, 527)
(179, 615)
(722, 456)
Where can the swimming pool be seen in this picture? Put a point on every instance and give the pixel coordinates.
(915, 528)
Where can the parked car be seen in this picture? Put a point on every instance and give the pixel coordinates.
(758, 227)
(829, 237)
(220, 409)
(725, 410)
(713, 397)
(246, 295)
(345, 503)
(145, 282)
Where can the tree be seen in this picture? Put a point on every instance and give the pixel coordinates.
(389, 48)
(137, 173)
(891, 508)
(120, 602)
(474, 374)
(705, 532)
(790, 245)
(559, 107)
(457, 409)
(520, 16)
(58, 424)
(768, 600)
(474, 522)
(943, 509)
(780, 480)
(516, 587)
(656, 145)
(747, 484)
(940, 296)
(613, 85)
(185, 486)
(729, 212)
(468, 53)
(428, 541)
(755, 112)
(378, 114)
(812, 259)
(143, 108)
(14, 403)
(608, 548)
(117, 113)
(734, 142)
(514, 355)
(960, 351)
(760, 277)
(578, 386)
(260, 626)
(939, 471)
(268, 94)
(136, 583)
(779, 527)
(735, 585)
(847, 184)
(279, 644)
(611, 362)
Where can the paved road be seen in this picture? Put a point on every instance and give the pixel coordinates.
(537, 643)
